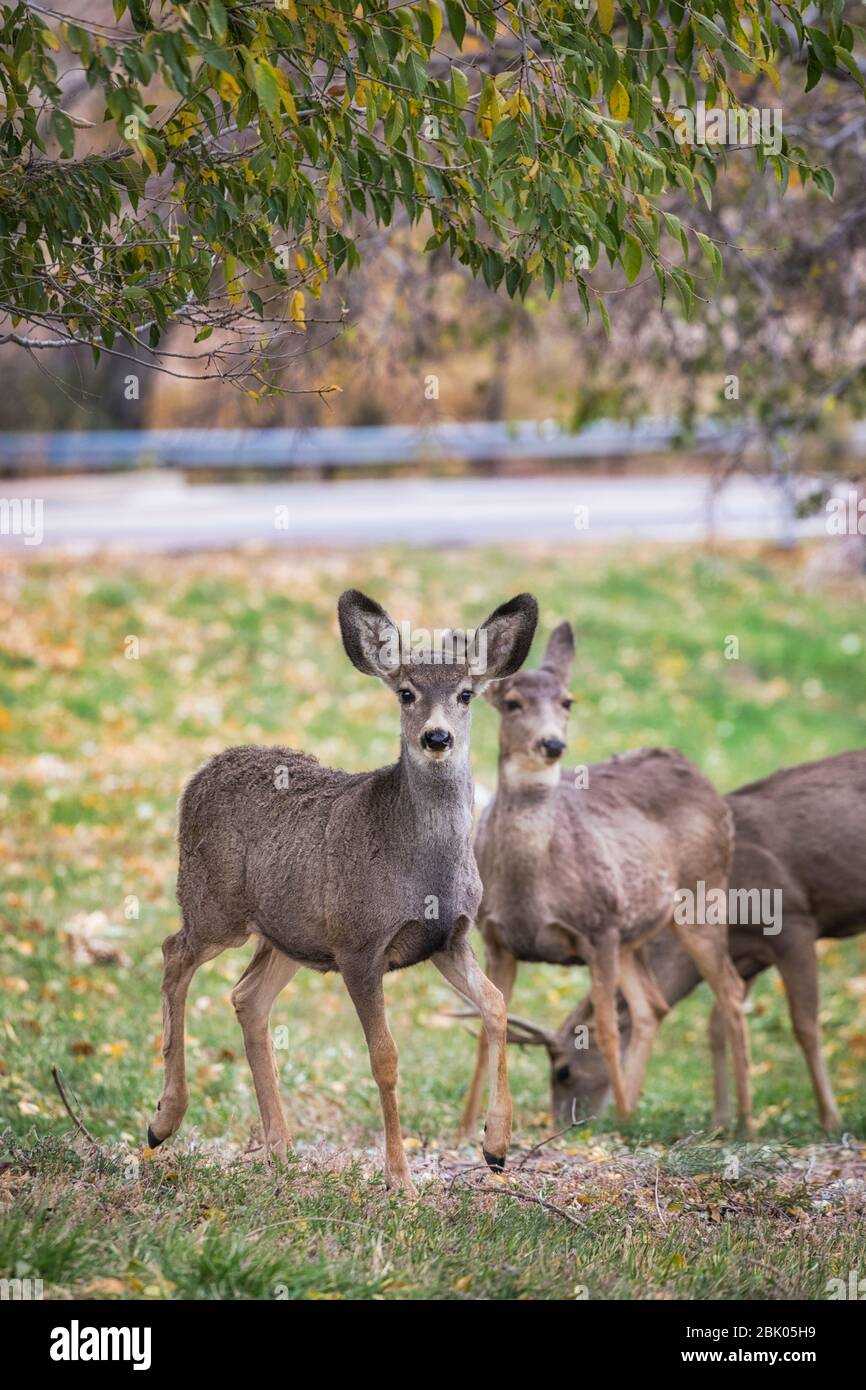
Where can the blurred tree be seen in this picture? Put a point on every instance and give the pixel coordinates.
(258, 142)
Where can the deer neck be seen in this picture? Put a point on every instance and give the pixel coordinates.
(436, 798)
(526, 813)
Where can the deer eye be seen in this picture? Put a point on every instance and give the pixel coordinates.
(567, 702)
(465, 696)
(406, 697)
(563, 1074)
(513, 704)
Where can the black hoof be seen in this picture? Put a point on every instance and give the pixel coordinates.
(152, 1141)
(497, 1164)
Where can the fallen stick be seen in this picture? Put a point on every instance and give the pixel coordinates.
(79, 1124)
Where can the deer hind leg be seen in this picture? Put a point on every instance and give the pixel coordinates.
(501, 971)
(182, 959)
(707, 944)
(253, 997)
(368, 996)
(604, 969)
(799, 970)
(463, 973)
(647, 1007)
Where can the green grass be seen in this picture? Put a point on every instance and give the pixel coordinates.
(244, 648)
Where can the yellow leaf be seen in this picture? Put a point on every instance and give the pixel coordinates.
(234, 288)
(772, 74)
(604, 14)
(436, 19)
(334, 209)
(297, 309)
(618, 102)
(148, 156)
(228, 88)
(286, 96)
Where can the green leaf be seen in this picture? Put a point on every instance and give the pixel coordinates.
(456, 21)
(65, 132)
(459, 87)
(712, 254)
(632, 258)
(394, 123)
(267, 86)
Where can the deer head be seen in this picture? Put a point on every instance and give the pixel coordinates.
(435, 683)
(534, 706)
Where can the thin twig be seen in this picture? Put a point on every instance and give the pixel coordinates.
(79, 1124)
(550, 1138)
(526, 1197)
(656, 1195)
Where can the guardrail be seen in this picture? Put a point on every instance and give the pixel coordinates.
(349, 447)
(372, 446)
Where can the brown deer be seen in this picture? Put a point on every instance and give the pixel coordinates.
(588, 874)
(801, 834)
(360, 873)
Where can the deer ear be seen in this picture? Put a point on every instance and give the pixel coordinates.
(503, 641)
(370, 636)
(492, 693)
(559, 652)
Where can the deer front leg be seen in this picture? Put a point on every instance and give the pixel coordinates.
(368, 996)
(463, 973)
(721, 1095)
(718, 1052)
(501, 970)
(253, 997)
(604, 981)
(182, 958)
(647, 1008)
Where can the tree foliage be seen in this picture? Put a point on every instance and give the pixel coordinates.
(247, 148)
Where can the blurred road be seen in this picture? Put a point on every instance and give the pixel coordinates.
(160, 511)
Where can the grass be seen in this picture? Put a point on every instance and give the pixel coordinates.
(98, 737)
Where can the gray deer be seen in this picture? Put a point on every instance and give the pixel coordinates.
(578, 874)
(360, 873)
(800, 833)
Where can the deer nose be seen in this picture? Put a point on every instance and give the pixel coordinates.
(437, 740)
(552, 747)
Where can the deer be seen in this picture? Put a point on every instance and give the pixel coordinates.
(799, 833)
(360, 873)
(588, 874)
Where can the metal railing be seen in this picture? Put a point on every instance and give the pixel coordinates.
(348, 447)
